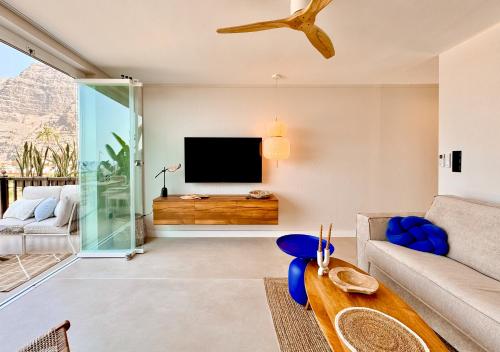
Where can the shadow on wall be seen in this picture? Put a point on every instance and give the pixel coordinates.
(286, 207)
(301, 150)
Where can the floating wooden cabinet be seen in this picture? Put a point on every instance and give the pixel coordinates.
(173, 211)
(216, 210)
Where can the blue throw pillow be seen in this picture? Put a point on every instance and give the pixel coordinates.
(45, 209)
(418, 234)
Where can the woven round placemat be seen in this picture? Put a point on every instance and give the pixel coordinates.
(368, 330)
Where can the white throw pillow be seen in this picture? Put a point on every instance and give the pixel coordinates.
(63, 211)
(22, 209)
(11, 210)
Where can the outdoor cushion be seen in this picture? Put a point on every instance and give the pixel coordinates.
(62, 211)
(13, 226)
(22, 209)
(42, 192)
(69, 195)
(462, 295)
(45, 209)
(472, 229)
(72, 192)
(47, 226)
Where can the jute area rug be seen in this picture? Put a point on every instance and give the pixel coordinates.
(15, 270)
(296, 327)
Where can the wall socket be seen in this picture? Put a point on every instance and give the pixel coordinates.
(445, 160)
(451, 160)
(442, 161)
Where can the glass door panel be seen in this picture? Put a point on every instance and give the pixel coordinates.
(138, 167)
(138, 152)
(107, 121)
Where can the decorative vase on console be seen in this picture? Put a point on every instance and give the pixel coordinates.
(172, 169)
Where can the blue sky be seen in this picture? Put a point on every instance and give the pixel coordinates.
(12, 61)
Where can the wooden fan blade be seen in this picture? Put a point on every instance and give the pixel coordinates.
(316, 6)
(320, 40)
(255, 27)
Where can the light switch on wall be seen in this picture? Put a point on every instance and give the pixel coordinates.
(447, 160)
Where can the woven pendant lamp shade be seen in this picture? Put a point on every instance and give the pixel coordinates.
(276, 148)
(277, 129)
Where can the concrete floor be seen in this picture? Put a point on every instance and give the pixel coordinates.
(203, 294)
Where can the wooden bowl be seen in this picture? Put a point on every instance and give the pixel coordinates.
(350, 280)
(259, 194)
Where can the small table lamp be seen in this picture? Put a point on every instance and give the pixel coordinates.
(171, 168)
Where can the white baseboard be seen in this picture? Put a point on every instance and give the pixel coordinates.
(237, 233)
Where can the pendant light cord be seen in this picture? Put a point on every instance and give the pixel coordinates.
(276, 77)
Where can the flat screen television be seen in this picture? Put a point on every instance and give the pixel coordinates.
(222, 159)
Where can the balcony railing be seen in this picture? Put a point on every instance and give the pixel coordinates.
(11, 188)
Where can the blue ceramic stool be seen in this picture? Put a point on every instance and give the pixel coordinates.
(304, 248)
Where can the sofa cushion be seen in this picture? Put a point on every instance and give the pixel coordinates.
(62, 211)
(47, 226)
(473, 232)
(72, 192)
(13, 226)
(463, 296)
(45, 209)
(418, 234)
(22, 209)
(37, 192)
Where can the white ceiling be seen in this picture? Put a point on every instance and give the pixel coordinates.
(174, 41)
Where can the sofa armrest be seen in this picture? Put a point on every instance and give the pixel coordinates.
(372, 226)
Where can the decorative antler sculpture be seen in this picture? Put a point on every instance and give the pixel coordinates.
(323, 257)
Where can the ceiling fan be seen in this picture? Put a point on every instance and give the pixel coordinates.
(303, 16)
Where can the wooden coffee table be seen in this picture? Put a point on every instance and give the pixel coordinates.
(326, 300)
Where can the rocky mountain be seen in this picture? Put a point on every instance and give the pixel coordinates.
(39, 97)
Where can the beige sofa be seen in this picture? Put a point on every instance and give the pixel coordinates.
(459, 294)
(48, 227)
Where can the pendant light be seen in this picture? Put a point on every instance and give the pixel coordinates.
(276, 146)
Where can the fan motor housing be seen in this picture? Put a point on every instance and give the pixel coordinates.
(297, 5)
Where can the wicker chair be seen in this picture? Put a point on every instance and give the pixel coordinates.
(56, 340)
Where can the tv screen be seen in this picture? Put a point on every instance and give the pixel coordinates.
(218, 159)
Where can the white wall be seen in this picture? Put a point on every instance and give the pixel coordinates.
(469, 89)
(361, 148)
